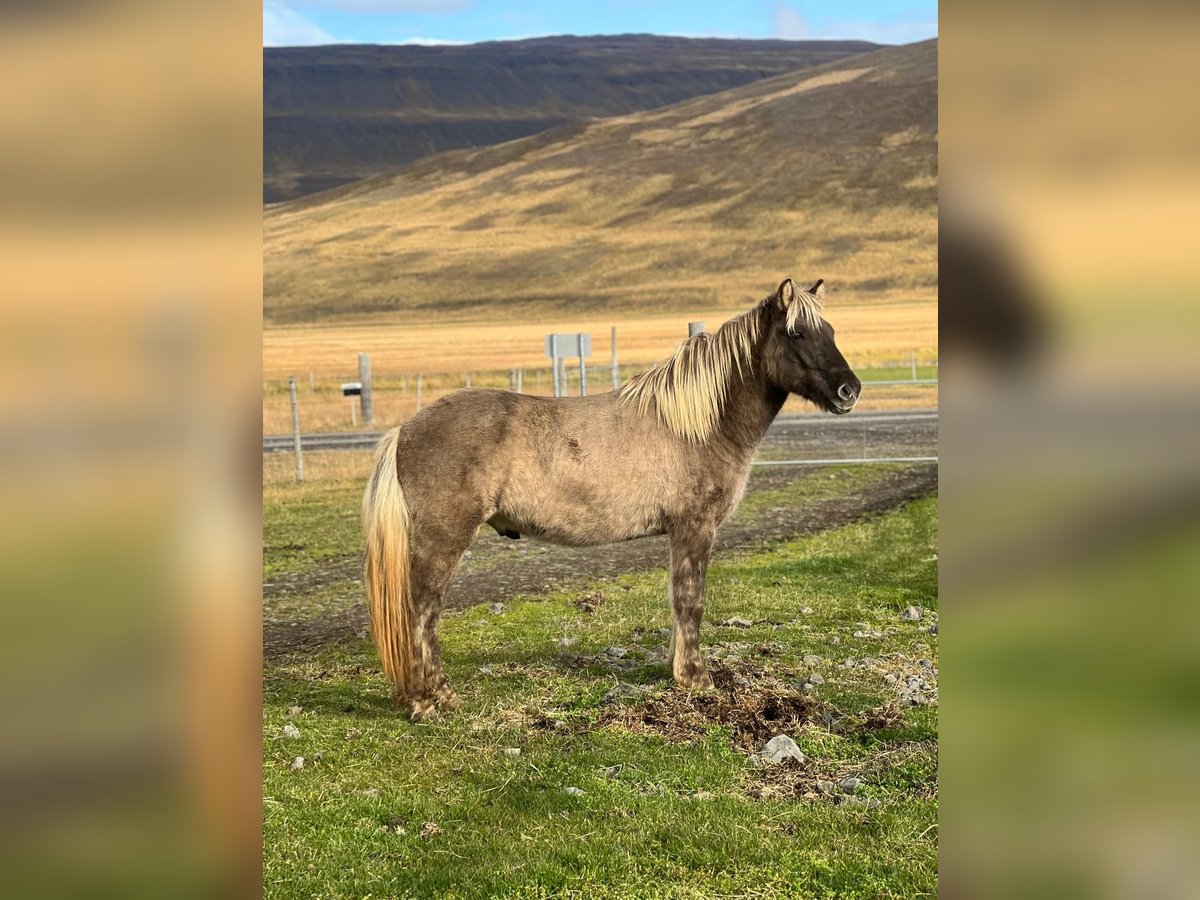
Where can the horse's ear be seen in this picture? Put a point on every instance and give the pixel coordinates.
(818, 290)
(786, 293)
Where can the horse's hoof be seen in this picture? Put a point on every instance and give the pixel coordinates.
(446, 700)
(422, 711)
(700, 682)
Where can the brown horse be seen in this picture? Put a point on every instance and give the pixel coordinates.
(668, 452)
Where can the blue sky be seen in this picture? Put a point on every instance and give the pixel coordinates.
(294, 22)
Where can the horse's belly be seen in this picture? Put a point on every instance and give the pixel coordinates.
(578, 524)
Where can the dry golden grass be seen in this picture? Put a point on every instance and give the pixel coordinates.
(870, 336)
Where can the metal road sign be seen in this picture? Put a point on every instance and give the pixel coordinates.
(560, 346)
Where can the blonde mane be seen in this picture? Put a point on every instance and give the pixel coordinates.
(689, 390)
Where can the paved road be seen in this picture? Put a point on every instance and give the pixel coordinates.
(901, 433)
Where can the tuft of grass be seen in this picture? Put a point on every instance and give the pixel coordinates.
(660, 815)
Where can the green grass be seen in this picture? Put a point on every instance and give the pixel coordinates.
(682, 818)
(310, 524)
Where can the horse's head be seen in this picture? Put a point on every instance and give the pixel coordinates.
(800, 355)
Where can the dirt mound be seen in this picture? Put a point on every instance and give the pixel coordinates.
(754, 712)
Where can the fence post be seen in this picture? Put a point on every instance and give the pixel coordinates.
(521, 381)
(296, 429)
(418, 392)
(582, 376)
(616, 378)
(364, 375)
(695, 328)
(554, 362)
(468, 379)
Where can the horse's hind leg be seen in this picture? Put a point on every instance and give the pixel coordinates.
(434, 561)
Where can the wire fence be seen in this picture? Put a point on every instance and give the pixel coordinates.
(398, 395)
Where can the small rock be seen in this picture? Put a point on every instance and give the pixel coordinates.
(806, 610)
(664, 632)
(295, 710)
(835, 641)
(811, 660)
(623, 691)
(737, 622)
(932, 629)
(610, 771)
(496, 609)
(912, 614)
(512, 751)
(807, 688)
(370, 792)
(860, 634)
(741, 681)
(889, 678)
(779, 749)
(850, 785)
(485, 670)
(826, 787)
(573, 791)
(565, 642)
(430, 829)
(297, 763)
(617, 652)
(815, 678)
(870, 662)
(290, 731)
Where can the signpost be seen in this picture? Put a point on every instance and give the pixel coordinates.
(354, 389)
(561, 346)
(695, 328)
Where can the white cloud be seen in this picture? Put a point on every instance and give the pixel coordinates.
(788, 24)
(284, 27)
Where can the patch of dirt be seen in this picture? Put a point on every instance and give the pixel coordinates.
(499, 568)
(755, 712)
(824, 779)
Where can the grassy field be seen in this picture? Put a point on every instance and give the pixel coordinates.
(666, 800)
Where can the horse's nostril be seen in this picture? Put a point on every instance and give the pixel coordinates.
(846, 393)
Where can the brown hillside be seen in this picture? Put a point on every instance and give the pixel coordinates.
(829, 172)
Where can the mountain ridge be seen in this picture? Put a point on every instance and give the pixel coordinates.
(339, 113)
(829, 172)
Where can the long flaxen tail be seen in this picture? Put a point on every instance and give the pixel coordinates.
(386, 573)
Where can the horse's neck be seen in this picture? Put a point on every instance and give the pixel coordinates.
(749, 411)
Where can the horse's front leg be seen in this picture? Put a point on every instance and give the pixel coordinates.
(691, 549)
